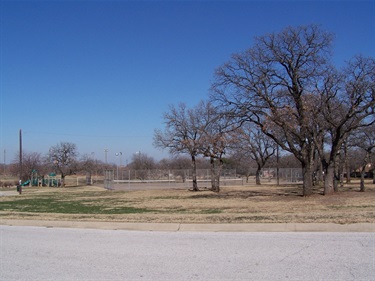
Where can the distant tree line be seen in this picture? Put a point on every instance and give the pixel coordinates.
(63, 159)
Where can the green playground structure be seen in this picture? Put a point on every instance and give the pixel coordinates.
(26, 183)
(37, 180)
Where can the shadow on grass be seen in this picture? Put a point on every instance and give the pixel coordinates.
(274, 191)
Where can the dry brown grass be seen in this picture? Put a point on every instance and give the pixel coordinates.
(239, 204)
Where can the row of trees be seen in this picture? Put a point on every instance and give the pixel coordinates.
(63, 159)
(284, 92)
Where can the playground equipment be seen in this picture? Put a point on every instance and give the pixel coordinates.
(26, 183)
(37, 180)
(52, 180)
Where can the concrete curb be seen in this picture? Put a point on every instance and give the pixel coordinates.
(186, 227)
(280, 227)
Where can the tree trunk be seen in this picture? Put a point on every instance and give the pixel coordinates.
(257, 175)
(218, 174)
(335, 184)
(363, 171)
(336, 178)
(212, 163)
(194, 173)
(307, 173)
(217, 182)
(362, 187)
(215, 176)
(329, 180)
(347, 166)
(348, 179)
(88, 178)
(320, 174)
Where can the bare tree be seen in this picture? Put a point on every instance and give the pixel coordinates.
(244, 166)
(63, 158)
(143, 164)
(272, 86)
(216, 129)
(365, 141)
(182, 134)
(32, 163)
(178, 163)
(250, 142)
(348, 105)
(141, 161)
(88, 165)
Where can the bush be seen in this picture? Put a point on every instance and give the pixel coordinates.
(8, 183)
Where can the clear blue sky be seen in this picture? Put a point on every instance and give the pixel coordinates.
(100, 74)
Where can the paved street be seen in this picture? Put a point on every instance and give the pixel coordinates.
(39, 253)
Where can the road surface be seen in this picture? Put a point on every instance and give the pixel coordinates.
(40, 253)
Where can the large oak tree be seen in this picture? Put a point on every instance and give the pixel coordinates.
(63, 158)
(270, 85)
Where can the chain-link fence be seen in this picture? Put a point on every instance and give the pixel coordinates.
(132, 179)
(285, 175)
(175, 178)
(170, 175)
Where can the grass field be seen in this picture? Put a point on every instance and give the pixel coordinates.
(236, 204)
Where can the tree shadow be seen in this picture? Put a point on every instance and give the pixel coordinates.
(264, 191)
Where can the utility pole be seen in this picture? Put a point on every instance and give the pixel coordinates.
(19, 186)
(20, 155)
(117, 155)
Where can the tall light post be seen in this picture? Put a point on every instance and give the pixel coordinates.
(121, 163)
(117, 155)
(105, 154)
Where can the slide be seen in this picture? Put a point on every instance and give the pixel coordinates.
(26, 183)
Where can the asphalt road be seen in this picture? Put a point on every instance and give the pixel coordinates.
(39, 253)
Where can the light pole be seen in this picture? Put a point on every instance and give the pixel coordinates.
(20, 181)
(20, 136)
(105, 154)
(117, 154)
(93, 166)
(121, 164)
(4, 160)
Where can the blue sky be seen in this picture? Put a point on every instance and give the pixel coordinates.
(100, 74)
